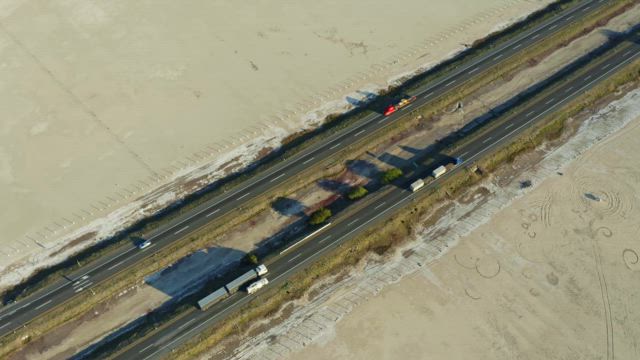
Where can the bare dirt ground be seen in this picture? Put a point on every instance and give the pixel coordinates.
(540, 272)
(172, 283)
(113, 109)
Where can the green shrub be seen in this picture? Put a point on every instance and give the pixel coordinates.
(251, 258)
(357, 193)
(390, 175)
(319, 216)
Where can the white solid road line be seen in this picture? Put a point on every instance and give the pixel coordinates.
(8, 314)
(336, 145)
(43, 304)
(379, 205)
(304, 238)
(216, 210)
(7, 324)
(360, 132)
(277, 177)
(243, 196)
(181, 230)
(310, 159)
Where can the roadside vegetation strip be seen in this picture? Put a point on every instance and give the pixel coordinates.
(398, 228)
(292, 145)
(207, 235)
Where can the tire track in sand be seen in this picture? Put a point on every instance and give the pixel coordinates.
(604, 291)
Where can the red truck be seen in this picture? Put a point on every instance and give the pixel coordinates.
(402, 103)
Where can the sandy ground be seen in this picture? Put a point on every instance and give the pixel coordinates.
(110, 106)
(189, 273)
(544, 272)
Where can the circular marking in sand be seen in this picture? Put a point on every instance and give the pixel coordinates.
(474, 297)
(605, 231)
(630, 259)
(470, 267)
(488, 269)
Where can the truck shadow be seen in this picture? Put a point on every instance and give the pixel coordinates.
(335, 186)
(364, 168)
(288, 207)
(192, 272)
(185, 282)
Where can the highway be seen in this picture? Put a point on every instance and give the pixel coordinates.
(21, 312)
(170, 336)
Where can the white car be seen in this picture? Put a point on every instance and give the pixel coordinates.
(253, 287)
(144, 245)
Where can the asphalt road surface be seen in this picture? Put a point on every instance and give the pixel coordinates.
(20, 313)
(163, 340)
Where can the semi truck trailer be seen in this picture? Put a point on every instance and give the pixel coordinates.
(417, 185)
(439, 171)
(233, 286)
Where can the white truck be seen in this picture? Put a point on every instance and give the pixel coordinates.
(439, 171)
(416, 185)
(255, 286)
(261, 269)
